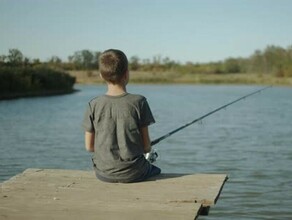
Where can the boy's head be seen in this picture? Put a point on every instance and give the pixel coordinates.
(113, 65)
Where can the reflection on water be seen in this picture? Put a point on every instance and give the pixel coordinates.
(250, 140)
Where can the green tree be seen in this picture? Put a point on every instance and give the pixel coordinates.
(134, 63)
(95, 59)
(83, 59)
(257, 63)
(87, 59)
(55, 60)
(36, 62)
(231, 65)
(76, 59)
(15, 57)
(26, 61)
(3, 59)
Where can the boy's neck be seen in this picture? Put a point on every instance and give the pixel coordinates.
(115, 89)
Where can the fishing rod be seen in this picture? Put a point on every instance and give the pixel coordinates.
(204, 116)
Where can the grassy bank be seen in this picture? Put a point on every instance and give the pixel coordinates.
(92, 77)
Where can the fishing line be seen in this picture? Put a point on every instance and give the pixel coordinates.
(206, 115)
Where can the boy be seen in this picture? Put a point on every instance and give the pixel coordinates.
(116, 126)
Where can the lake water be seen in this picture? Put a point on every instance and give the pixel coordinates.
(251, 141)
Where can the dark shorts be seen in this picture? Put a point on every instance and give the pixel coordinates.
(153, 171)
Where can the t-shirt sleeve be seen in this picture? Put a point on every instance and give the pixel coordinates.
(146, 114)
(87, 123)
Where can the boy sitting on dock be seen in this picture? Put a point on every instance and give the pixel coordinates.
(116, 126)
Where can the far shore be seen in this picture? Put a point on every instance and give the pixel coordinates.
(138, 77)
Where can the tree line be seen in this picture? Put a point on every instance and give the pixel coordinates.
(80, 60)
(271, 60)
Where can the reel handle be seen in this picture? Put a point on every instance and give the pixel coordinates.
(151, 156)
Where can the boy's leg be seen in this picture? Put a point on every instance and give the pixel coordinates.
(154, 170)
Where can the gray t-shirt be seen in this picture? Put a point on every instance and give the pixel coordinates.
(116, 122)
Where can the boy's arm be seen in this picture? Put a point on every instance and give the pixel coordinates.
(89, 141)
(145, 139)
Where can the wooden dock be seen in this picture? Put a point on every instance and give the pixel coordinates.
(73, 194)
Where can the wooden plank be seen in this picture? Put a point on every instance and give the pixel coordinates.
(74, 194)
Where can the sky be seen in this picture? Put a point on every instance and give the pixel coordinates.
(183, 30)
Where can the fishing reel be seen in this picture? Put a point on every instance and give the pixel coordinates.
(151, 156)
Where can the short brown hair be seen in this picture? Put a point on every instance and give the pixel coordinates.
(113, 64)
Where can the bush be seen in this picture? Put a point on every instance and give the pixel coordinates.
(34, 80)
